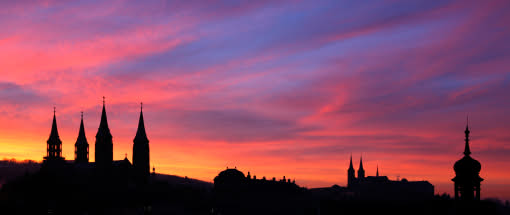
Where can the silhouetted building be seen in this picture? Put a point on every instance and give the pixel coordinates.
(467, 179)
(381, 188)
(104, 163)
(235, 193)
(141, 149)
(361, 171)
(350, 174)
(54, 144)
(104, 143)
(96, 182)
(81, 147)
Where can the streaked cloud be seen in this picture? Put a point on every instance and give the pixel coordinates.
(274, 87)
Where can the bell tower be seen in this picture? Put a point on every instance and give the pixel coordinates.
(81, 147)
(104, 143)
(350, 174)
(141, 159)
(361, 171)
(53, 144)
(467, 175)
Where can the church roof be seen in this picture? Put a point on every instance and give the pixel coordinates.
(140, 132)
(103, 130)
(467, 166)
(54, 137)
(350, 164)
(360, 163)
(82, 139)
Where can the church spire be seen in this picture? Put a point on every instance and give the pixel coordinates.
(350, 164)
(467, 174)
(54, 144)
(361, 163)
(361, 171)
(141, 154)
(81, 134)
(104, 142)
(140, 132)
(467, 152)
(103, 125)
(350, 174)
(377, 172)
(81, 146)
(54, 131)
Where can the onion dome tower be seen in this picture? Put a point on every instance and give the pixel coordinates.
(81, 147)
(104, 143)
(141, 160)
(350, 174)
(54, 144)
(467, 175)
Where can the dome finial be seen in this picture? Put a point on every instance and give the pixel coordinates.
(467, 152)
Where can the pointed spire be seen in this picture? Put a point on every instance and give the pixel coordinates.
(81, 134)
(361, 171)
(103, 125)
(54, 130)
(81, 145)
(467, 152)
(104, 120)
(54, 144)
(377, 172)
(140, 133)
(361, 163)
(350, 164)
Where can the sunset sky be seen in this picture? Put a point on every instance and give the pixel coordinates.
(277, 88)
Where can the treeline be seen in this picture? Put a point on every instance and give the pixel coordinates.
(12, 168)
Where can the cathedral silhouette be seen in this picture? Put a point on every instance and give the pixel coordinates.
(104, 162)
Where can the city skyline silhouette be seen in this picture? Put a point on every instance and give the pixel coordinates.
(124, 186)
(153, 165)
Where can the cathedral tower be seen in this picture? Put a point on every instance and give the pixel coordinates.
(350, 174)
(54, 144)
(104, 143)
(141, 149)
(467, 175)
(361, 171)
(81, 147)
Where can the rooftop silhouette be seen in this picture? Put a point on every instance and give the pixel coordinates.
(122, 186)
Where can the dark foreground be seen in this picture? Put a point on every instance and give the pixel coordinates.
(39, 194)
